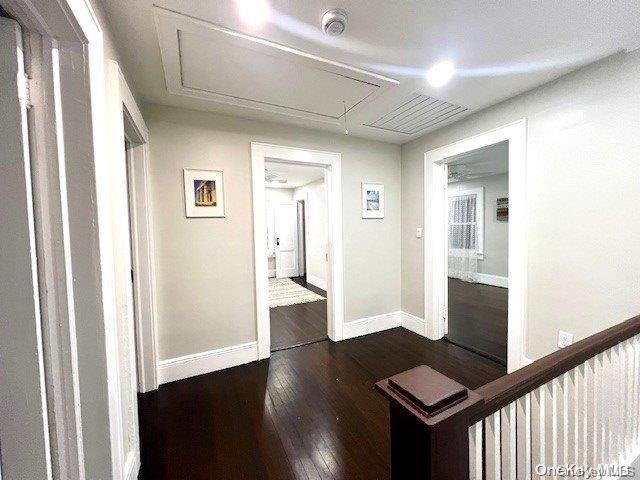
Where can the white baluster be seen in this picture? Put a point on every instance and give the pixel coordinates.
(492, 447)
(538, 449)
(508, 441)
(523, 437)
(475, 451)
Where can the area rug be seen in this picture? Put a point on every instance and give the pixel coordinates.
(283, 291)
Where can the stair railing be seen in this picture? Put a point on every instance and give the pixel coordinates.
(575, 412)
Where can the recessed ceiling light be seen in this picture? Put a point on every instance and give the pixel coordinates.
(440, 73)
(253, 12)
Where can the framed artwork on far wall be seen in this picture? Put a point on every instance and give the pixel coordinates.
(203, 193)
(372, 200)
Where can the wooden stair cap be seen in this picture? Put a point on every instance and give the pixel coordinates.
(428, 389)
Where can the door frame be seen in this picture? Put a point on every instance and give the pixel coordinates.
(335, 274)
(71, 162)
(436, 251)
(126, 121)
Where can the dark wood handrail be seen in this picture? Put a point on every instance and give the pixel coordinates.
(505, 390)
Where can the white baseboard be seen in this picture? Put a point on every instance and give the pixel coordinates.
(132, 466)
(317, 282)
(205, 362)
(494, 280)
(413, 323)
(367, 325)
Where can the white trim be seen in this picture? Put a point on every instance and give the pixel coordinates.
(54, 256)
(127, 118)
(200, 363)
(333, 184)
(493, 280)
(317, 282)
(132, 466)
(413, 323)
(479, 194)
(436, 251)
(367, 325)
(272, 272)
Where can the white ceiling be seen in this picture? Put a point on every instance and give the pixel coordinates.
(499, 48)
(483, 162)
(296, 175)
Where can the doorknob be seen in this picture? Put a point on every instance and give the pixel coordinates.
(278, 241)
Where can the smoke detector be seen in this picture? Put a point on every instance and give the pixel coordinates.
(334, 22)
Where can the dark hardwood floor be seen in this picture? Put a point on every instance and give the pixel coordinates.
(295, 325)
(478, 318)
(306, 413)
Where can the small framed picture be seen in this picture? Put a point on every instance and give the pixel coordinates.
(203, 193)
(502, 209)
(372, 200)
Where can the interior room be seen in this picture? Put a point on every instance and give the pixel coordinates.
(296, 217)
(268, 239)
(478, 256)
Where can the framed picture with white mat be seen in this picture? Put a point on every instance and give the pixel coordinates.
(203, 193)
(372, 200)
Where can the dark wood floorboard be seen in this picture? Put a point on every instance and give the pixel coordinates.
(478, 318)
(306, 413)
(294, 325)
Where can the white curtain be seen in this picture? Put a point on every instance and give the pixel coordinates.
(463, 236)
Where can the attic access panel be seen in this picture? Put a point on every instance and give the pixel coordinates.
(207, 61)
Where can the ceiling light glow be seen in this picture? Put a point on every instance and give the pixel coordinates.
(254, 13)
(440, 73)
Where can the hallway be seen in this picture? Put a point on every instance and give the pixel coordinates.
(307, 413)
(299, 324)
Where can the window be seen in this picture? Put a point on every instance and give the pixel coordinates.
(466, 221)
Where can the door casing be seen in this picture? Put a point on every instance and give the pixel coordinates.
(335, 276)
(436, 250)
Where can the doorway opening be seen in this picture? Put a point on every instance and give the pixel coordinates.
(464, 290)
(323, 249)
(296, 218)
(478, 247)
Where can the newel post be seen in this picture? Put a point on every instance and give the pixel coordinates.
(430, 419)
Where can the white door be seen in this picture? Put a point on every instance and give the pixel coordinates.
(286, 228)
(24, 436)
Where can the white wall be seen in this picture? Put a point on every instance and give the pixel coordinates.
(496, 233)
(275, 195)
(205, 284)
(583, 186)
(314, 194)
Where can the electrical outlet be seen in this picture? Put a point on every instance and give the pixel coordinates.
(418, 233)
(564, 339)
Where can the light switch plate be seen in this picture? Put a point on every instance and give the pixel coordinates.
(418, 233)
(564, 339)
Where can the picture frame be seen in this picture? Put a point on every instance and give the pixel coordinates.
(203, 193)
(502, 209)
(372, 200)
